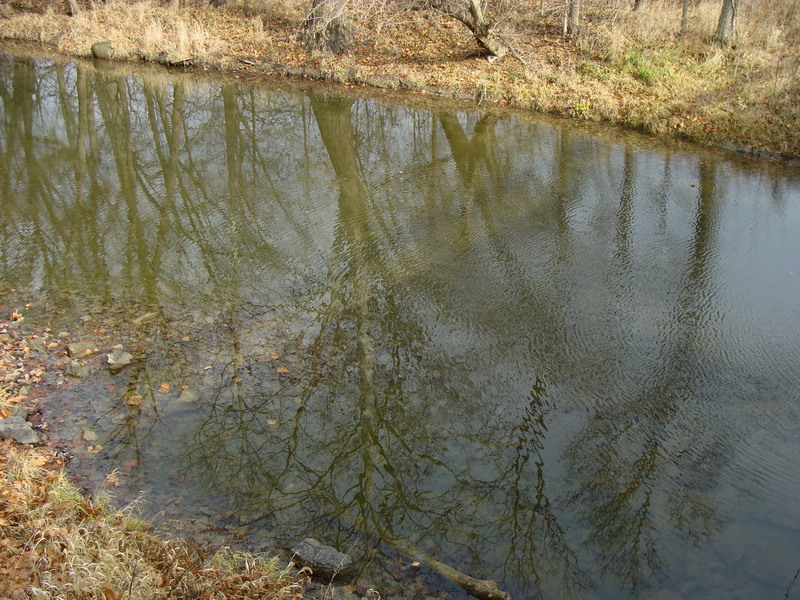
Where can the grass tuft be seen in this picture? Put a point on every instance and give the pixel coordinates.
(58, 543)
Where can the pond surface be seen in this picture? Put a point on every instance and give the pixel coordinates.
(564, 362)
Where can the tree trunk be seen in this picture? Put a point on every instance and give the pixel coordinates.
(470, 13)
(726, 28)
(327, 28)
(573, 18)
(685, 17)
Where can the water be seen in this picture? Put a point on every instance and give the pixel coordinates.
(563, 361)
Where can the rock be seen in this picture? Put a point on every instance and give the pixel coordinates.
(76, 369)
(21, 412)
(329, 592)
(119, 359)
(325, 562)
(188, 396)
(80, 349)
(18, 429)
(103, 50)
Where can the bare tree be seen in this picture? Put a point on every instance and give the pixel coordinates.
(572, 26)
(726, 28)
(473, 14)
(327, 27)
(685, 17)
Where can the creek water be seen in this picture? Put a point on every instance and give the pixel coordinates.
(565, 361)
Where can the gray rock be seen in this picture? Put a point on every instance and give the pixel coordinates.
(329, 592)
(119, 359)
(18, 429)
(21, 412)
(326, 563)
(188, 396)
(76, 369)
(79, 349)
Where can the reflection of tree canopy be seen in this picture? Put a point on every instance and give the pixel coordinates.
(474, 363)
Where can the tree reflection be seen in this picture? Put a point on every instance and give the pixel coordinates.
(405, 329)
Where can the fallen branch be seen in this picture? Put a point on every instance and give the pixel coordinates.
(484, 589)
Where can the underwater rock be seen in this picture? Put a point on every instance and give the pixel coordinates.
(119, 359)
(79, 349)
(325, 562)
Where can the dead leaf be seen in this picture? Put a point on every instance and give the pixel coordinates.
(274, 356)
(135, 400)
(164, 388)
(38, 461)
(130, 464)
(109, 594)
(271, 422)
(185, 338)
(282, 370)
(94, 449)
(112, 479)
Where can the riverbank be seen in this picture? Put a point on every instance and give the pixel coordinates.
(61, 542)
(631, 68)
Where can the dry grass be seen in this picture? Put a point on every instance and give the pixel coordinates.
(144, 30)
(57, 543)
(631, 67)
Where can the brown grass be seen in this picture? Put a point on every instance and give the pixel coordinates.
(634, 68)
(57, 543)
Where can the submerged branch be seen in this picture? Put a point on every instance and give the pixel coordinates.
(484, 589)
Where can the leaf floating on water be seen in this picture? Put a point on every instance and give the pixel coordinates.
(94, 449)
(274, 356)
(112, 479)
(129, 464)
(164, 388)
(135, 399)
(282, 370)
(185, 338)
(271, 422)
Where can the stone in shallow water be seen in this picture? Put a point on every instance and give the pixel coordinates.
(79, 349)
(119, 359)
(18, 429)
(76, 369)
(325, 562)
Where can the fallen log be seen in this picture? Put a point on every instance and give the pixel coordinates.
(484, 589)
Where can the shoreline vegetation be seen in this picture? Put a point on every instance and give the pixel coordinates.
(59, 542)
(649, 65)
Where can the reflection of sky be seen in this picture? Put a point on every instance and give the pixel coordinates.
(662, 326)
